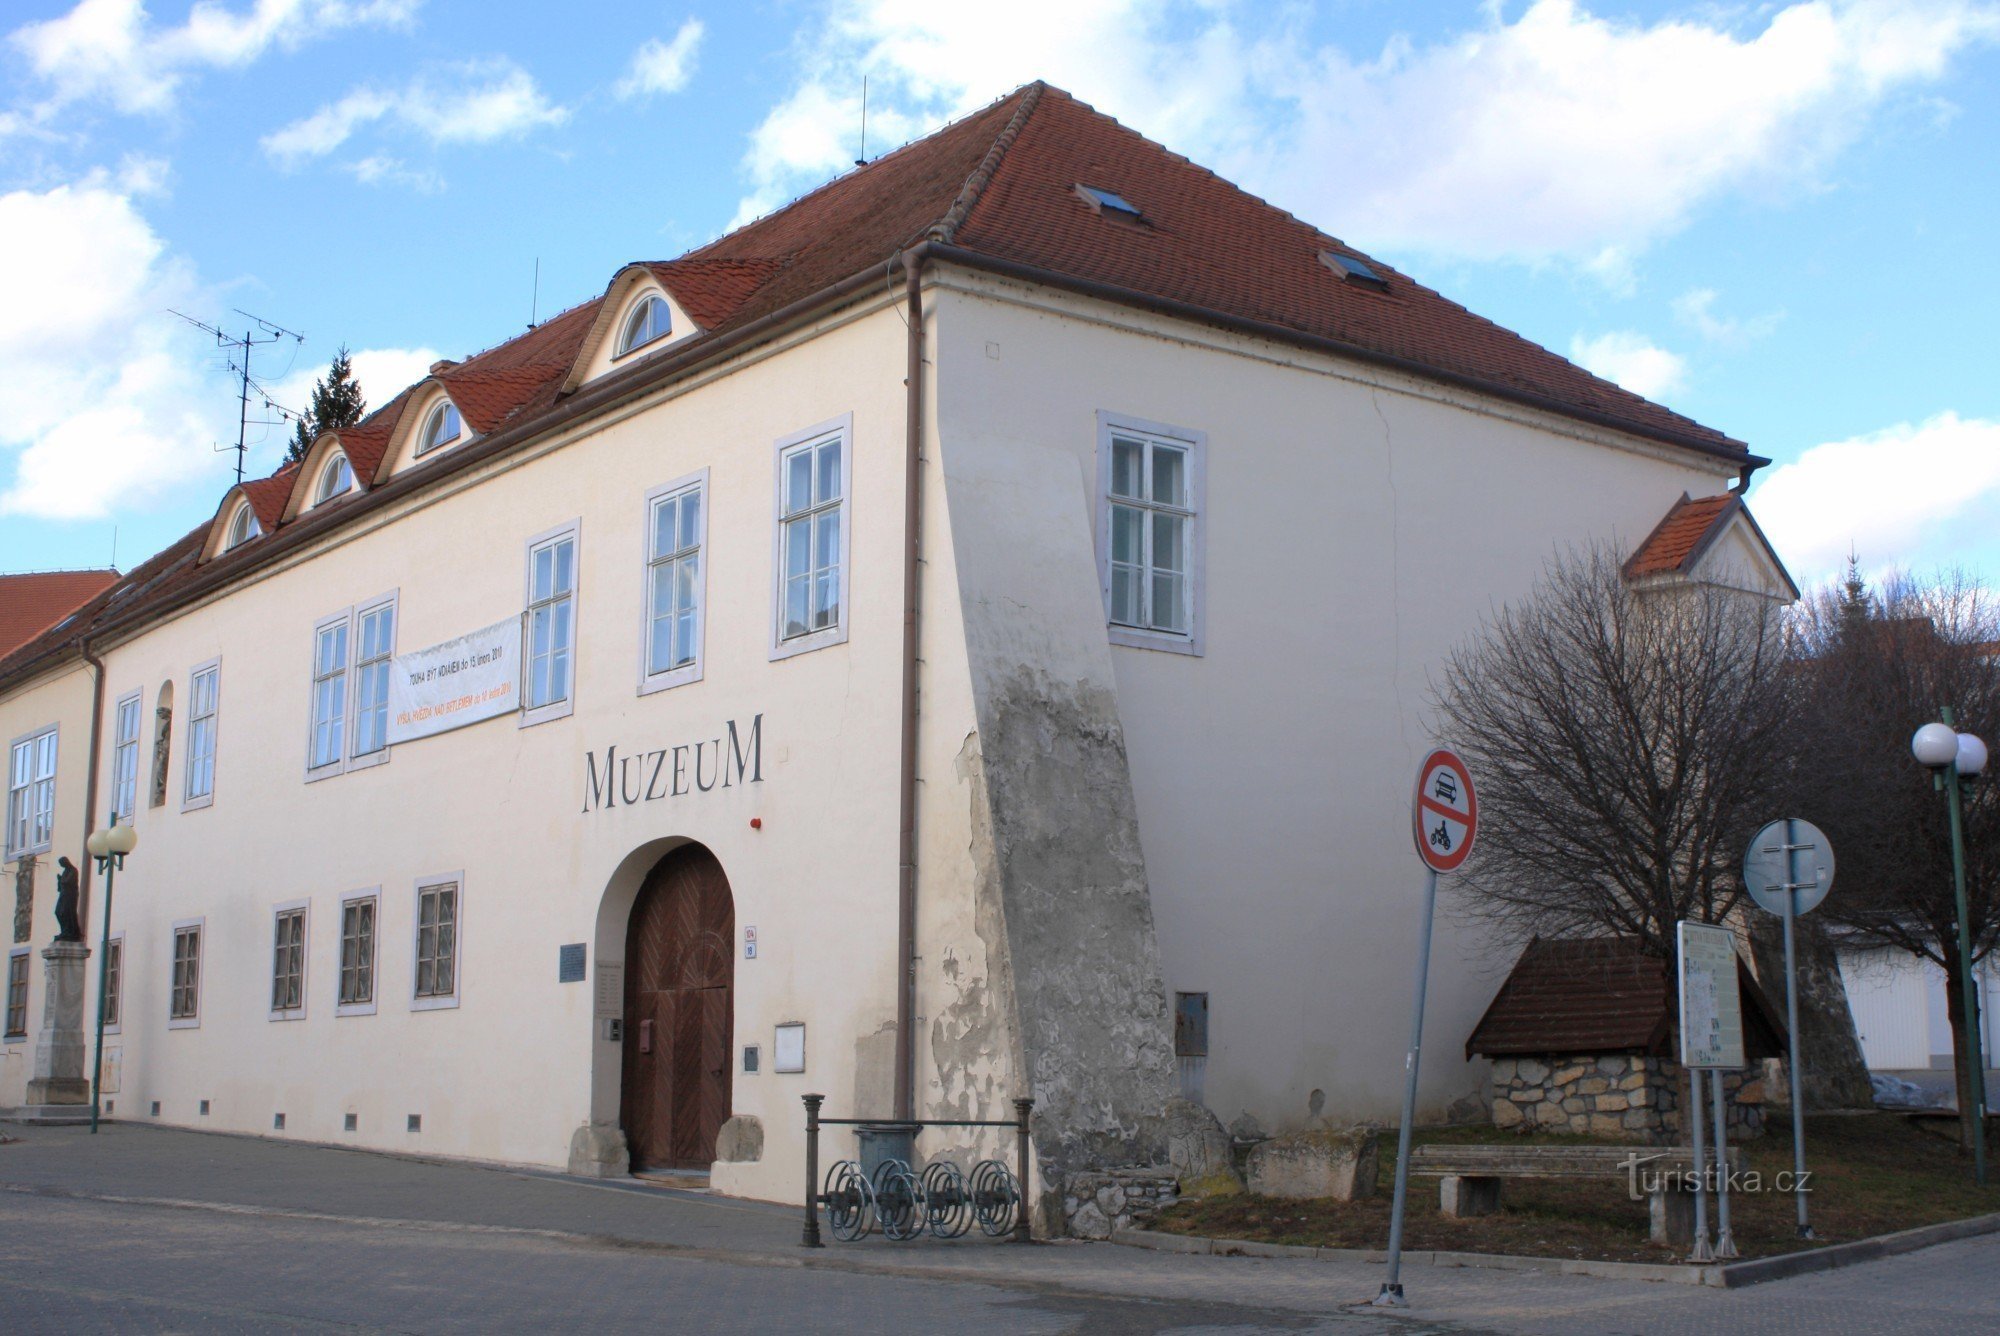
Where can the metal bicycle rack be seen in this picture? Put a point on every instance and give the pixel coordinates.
(902, 1203)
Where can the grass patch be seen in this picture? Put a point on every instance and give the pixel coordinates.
(1872, 1174)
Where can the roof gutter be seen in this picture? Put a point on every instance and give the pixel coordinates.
(1285, 334)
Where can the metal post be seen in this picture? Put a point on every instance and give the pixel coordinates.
(811, 1238)
(1391, 1294)
(1725, 1242)
(103, 989)
(1976, 1077)
(1702, 1252)
(1792, 1022)
(1023, 1231)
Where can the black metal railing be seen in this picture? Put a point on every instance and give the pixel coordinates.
(904, 1204)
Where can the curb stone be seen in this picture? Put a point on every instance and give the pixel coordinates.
(1732, 1275)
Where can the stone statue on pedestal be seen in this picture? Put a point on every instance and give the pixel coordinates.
(68, 928)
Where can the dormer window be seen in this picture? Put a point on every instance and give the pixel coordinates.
(649, 320)
(336, 479)
(243, 527)
(1109, 203)
(442, 427)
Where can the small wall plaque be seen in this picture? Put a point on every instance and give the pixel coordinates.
(750, 1056)
(610, 989)
(750, 943)
(789, 1052)
(569, 967)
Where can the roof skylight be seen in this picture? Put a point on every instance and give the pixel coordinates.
(1353, 270)
(1107, 200)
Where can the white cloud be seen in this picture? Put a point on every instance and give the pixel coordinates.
(1553, 134)
(380, 170)
(1696, 310)
(1912, 494)
(111, 51)
(1631, 360)
(663, 67)
(472, 102)
(108, 399)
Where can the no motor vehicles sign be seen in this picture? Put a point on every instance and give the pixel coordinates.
(1445, 812)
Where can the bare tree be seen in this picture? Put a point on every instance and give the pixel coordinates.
(1874, 667)
(1628, 741)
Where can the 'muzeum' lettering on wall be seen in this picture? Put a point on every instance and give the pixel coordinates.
(669, 772)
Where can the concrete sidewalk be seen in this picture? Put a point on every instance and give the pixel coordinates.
(148, 1170)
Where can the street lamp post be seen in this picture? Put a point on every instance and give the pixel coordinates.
(1954, 757)
(108, 847)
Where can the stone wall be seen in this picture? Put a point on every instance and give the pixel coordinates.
(1627, 1097)
(1094, 1204)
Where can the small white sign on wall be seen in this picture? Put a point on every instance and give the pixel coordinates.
(788, 1054)
(750, 943)
(610, 996)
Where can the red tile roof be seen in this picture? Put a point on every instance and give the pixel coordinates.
(998, 188)
(1685, 532)
(267, 496)
(1602, 995)
(37, 600)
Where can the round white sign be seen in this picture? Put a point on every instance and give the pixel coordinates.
(1789, 858)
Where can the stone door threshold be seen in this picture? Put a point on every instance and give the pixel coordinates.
(681, 1180)
(1724, 1275)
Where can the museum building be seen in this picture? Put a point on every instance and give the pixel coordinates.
(964, 635)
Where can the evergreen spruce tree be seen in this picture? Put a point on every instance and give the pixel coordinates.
(1856, 606)
(336, 402)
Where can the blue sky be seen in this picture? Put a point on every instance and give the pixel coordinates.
(1777, 218)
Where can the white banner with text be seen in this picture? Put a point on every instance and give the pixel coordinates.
(462, 681)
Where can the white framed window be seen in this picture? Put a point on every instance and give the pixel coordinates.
(184, 993)
(441, 427)
(1149, 532)
(811, 544)
(676, 583)
(114, 983)
(335, 479)
(204, 707)
(327, 746)
(16, 1030)
(125, 757)
(550, 625)
(374, 648)
(356, 996)
(288, 961)
(650, 319)
(243, 527)
(31, 792)
(440, 941)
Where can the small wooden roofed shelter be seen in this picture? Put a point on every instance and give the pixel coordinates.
(1603, 996)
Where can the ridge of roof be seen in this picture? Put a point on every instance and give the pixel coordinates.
(946, 228)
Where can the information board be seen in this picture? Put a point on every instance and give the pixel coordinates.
(1711, 1004)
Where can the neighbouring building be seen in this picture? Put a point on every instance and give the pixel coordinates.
(33, 601)
(964, 635)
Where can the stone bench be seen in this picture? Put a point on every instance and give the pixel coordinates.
(1470, 1177)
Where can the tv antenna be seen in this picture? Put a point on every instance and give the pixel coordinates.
(240, 350)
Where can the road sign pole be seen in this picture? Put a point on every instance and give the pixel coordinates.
(1701, 1251)
(1792, 1022)
(1725, 1242)
(1391, 1295)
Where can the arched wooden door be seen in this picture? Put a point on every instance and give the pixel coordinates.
(679, 975)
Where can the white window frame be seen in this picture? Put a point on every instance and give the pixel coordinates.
(321, 494)
(624, 349)
(424, 444)
(373, 896)
(342, 620)
(200, 927)
(20, 953)
(115, 1023)
(1196, 443)
(393, 601)
(438, 1001)
(350, 728)
(560, 709)
(191, 801)
(243, 526)
(781, 648)
(120, 746)
(27, 791)
(649, 681)
(303, 908)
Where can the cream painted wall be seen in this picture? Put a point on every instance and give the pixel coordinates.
(1356, 527)
(509, 1074)
(61, 697)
